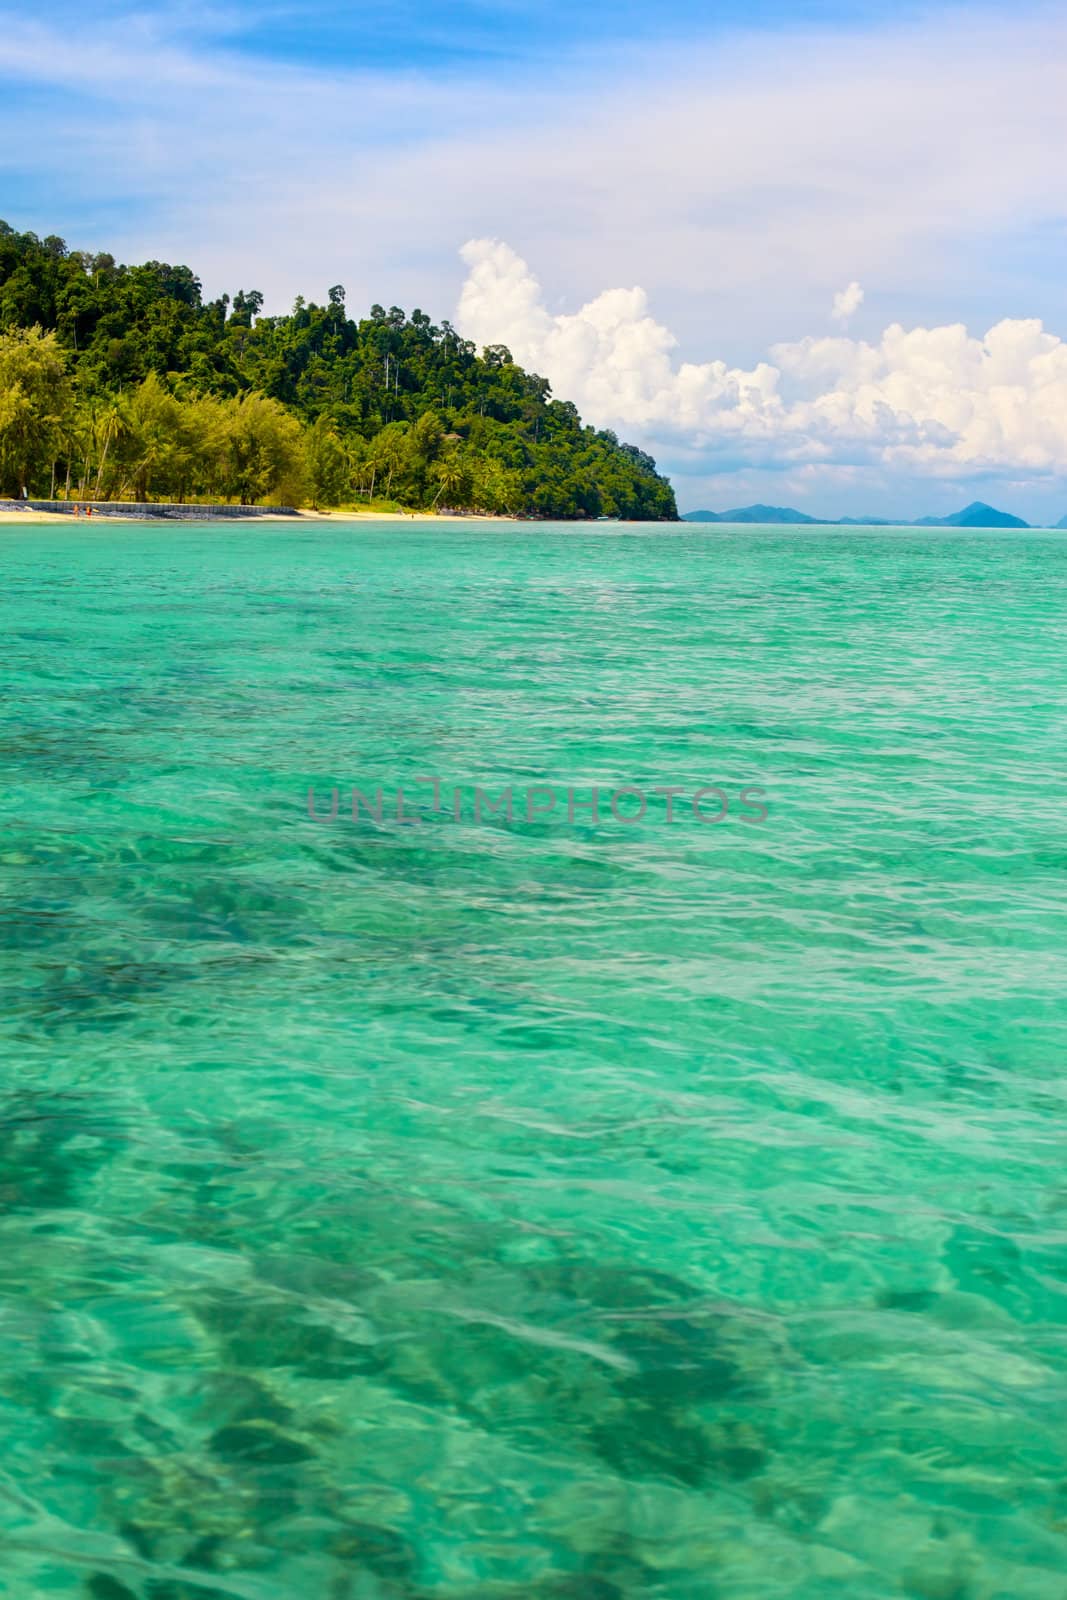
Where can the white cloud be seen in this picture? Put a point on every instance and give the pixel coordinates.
(934, 401)
(846, 303)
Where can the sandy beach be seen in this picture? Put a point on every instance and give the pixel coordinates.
(33, 516)
(303, 515)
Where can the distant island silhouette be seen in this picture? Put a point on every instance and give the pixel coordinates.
(976, 515)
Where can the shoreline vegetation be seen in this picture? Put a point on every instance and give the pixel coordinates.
(123, 383)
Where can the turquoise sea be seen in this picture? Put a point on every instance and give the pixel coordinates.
(489, 1210)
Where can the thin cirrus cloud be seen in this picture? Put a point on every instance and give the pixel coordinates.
(741, 180)
(936, 401)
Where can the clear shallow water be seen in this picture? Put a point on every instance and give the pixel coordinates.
(540, 1211)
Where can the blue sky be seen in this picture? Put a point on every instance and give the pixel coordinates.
(515, 34)
(740, 165)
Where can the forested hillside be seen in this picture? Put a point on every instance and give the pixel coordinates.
(123, 382)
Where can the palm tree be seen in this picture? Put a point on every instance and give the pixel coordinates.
(376, 460)
(451, 476)
(111, 424)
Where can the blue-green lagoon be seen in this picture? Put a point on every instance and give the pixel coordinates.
(533, 1210)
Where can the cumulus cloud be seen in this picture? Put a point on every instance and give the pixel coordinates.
(846, 303)
(933, 401)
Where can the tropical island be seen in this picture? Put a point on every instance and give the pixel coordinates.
(123, 383)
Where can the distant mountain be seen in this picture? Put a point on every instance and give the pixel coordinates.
(1062, 523)
(784, 516)
(763, 514)
(976, 515)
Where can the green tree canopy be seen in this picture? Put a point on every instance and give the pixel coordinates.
(35, 406)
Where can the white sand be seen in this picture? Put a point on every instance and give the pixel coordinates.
(31, 516)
